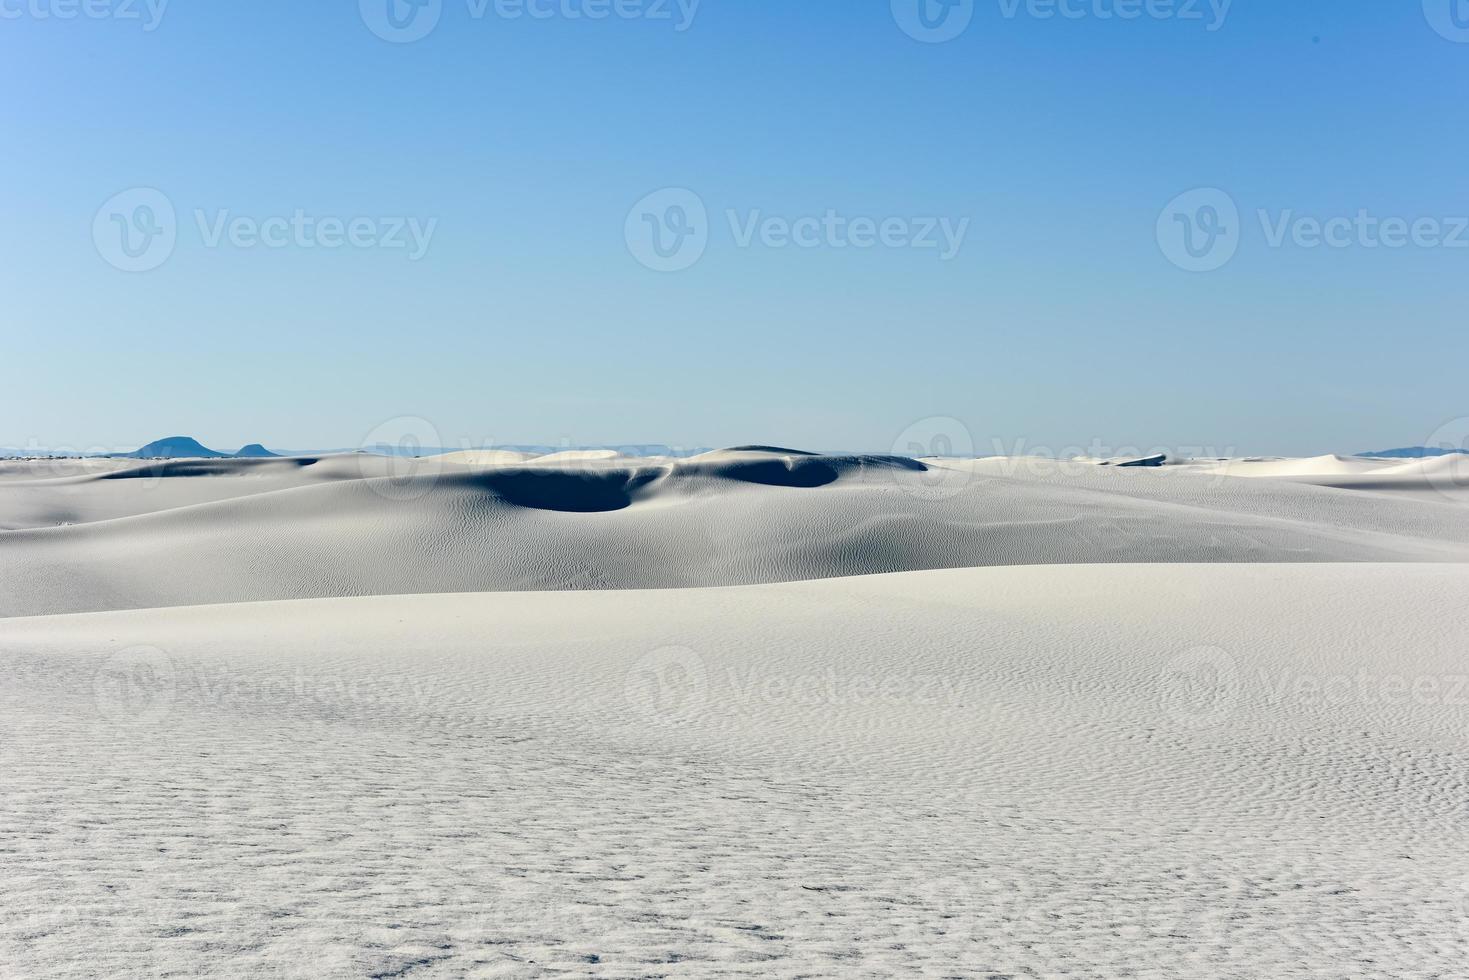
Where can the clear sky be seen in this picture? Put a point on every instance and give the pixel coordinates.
(1064, 309)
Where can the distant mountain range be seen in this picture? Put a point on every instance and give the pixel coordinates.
(184, 447)
(1414, 452)
(187, 447)
(174, 447)
(255, 451)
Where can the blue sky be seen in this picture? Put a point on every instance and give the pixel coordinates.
(524, 144)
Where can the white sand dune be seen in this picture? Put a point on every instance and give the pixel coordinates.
(1433, 478)
(486, 457)
(1209, 719)
(1147, 771)
(1318, 466)
(208, 531)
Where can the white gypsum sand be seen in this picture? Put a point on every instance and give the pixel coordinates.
(208, 531)
(1099, 757)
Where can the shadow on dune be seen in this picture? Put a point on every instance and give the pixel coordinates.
(804, 471)
(568, 491)
(769, 449)
(205, 467)
(600, 489)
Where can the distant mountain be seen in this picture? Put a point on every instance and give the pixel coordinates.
(175, 447)
(256, 451)
(1414, 452)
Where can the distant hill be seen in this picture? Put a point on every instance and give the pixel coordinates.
(1414, 452)
(256, 451)
(175, 447)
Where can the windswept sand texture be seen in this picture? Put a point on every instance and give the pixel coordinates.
(1202, 720)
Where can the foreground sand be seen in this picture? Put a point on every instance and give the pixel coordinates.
(1203, 720)
(1151, 771)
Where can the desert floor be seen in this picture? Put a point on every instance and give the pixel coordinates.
(755, 713)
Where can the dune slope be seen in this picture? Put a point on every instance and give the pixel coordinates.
(1049, 771)
(208, 531)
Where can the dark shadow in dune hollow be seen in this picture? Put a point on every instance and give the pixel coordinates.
(805, 471)
(205, 467)
(777, 473)
(770, 449)
(568, 491)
